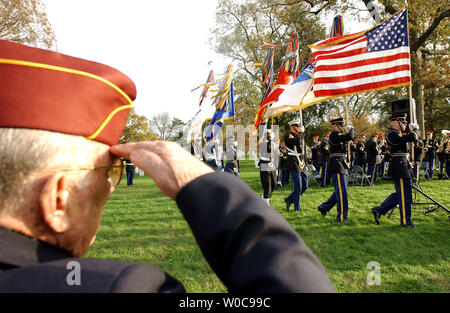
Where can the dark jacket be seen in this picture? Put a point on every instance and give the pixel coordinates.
(324, 151)
(338, 145)
(361, 154)
(293, 143)
(248, 244)
(399, 166)
(372, 152)
(314, 151)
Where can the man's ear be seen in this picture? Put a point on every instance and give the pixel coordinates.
(53, 203)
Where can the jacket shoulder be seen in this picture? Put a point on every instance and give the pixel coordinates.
(87, 275)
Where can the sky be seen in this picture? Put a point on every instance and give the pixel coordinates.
(161, 45)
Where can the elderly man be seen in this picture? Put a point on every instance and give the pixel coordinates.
(60, 117)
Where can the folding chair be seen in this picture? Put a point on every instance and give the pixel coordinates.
(424, 170)
(314, 174)
(359, 176)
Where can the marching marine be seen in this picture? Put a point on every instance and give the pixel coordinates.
(399, 169)
(338, 168)
(296, 164)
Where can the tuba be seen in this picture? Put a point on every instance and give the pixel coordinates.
(443, 141)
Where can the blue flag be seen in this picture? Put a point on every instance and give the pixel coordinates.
(219, 116)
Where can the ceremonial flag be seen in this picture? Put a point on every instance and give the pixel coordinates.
(284, 79)
(204, 112)
(374, 59)
(293, 94)
(226, 112)
(206, 88)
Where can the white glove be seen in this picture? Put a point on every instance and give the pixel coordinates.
(348, 128)
(302, 129)
(413, 126)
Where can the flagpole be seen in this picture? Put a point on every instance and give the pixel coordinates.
(346, 123)
(411, 107)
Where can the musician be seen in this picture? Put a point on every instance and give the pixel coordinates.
(398, 138)
(315, 153)
(296, 164)
(418, 156)
(384, 154)
(372, 153)
(352, 152)
(430, 146)
(338, 168)
(441, 153)
(324, 158)
(361, 155)
(446, 151)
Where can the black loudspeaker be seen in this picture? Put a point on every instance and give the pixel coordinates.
(401, 106)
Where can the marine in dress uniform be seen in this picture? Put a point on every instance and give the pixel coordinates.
(338, 169)
(233, 155)
(268, 165)
(324, 157)
(296, 164)
(441, 153)
(399, 169)
(361, 154)
(385, 154)
(315, 153)
(431, 146)
(250, 246)
(446, 152)
(418, 151)
(372, 153)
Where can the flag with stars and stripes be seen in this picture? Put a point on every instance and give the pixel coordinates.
(374, 59)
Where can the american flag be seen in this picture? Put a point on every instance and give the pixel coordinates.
(374, 59)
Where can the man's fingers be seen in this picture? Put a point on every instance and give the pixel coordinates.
(149, 162)
(125, 150)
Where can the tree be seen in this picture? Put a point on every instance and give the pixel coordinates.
(25, 21)
(241, 28)
(137, 129)
(167, 128)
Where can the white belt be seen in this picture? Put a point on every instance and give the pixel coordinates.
(294, 154)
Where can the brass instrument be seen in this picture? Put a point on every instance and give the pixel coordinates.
(425, 149)
(421, 145)
(443, 141)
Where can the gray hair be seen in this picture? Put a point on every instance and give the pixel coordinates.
(25, 151)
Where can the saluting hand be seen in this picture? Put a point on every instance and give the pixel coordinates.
(167, 163)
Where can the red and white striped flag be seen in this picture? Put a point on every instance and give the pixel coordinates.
(374, 59)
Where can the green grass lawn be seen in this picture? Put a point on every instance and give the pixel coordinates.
(141, 225)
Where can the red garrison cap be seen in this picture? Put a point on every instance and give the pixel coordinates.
(429, 132)
(42, 89)
(315, 137)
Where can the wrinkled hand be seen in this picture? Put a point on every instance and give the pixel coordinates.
(167, 163)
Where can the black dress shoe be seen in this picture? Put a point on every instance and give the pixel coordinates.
(322, 211)
(409, 226)
(288, 204)
(376, 216)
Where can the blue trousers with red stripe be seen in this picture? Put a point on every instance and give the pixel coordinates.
(339, 197)
(402, 197)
